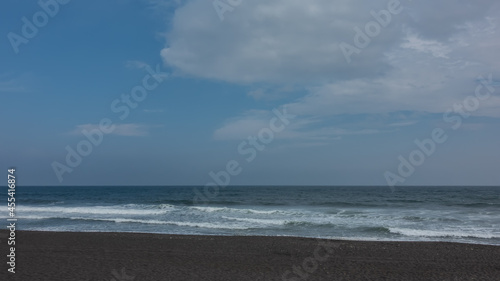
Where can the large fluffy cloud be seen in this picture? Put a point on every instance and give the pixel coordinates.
(427, 59)
(295, 40)
(276, 41)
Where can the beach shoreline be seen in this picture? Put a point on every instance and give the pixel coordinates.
(143, 256)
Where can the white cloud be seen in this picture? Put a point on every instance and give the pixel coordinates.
(11, 86)
(244, 126)
(307, 130)
(424, 77)
(298, 41)
(10, 83)
(426, 60)
(403, 124)
(257, 94)
(433, 47)
(273, 41)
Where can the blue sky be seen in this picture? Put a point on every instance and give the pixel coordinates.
(221, 77)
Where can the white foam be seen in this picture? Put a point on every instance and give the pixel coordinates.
(261, 212)
(37, 217)
(94, 210)
(178, 223)
(209, 209)
(258, 221)
(436, 233)
(235, 210)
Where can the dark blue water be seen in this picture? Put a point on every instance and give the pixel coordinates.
(460, 214)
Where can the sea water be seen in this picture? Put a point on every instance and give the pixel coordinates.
(457, 214)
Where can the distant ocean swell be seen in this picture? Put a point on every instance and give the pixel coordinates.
(469, 215)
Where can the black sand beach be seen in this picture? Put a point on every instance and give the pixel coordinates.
(129, 256)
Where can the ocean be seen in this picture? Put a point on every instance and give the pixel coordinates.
(455, 214)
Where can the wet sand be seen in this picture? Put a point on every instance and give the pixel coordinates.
(130, 256)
